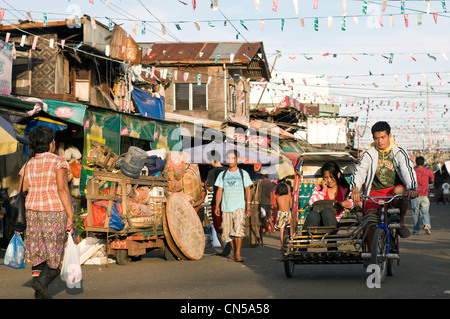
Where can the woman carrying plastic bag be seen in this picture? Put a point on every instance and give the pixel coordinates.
(15, 253)
(71, 269)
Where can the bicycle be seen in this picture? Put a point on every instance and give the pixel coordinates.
(385, 248)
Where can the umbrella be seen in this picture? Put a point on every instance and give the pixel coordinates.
(9, 138)
(199, 154)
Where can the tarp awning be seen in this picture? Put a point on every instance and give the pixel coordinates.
(199, 154)
(8, 141)
(149, 105)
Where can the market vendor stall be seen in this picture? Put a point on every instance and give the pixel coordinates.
(138, 213)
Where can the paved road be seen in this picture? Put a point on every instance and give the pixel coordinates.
(424, 273)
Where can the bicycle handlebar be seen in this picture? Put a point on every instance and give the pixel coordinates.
(391, 198)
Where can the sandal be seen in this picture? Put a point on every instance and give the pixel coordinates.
(239, 260)
(231, 259)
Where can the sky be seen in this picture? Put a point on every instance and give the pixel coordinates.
(378, 63)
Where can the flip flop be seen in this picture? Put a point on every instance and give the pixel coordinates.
(231, 259)
(239, 260)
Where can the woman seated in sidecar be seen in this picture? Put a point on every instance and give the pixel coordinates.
(328, 201)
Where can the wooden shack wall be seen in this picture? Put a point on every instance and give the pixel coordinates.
(218, 99)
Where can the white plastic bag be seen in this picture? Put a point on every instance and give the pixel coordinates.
(71, 268)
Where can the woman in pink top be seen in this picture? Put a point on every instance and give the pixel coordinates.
(48, 209)
(333, 187)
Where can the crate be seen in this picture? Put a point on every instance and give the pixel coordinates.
(102, 156)
(122, 189)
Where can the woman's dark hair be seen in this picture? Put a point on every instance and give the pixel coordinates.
(282, 189)
(40, 139)
(334, 169)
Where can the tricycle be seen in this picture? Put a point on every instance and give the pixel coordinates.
(345, 243)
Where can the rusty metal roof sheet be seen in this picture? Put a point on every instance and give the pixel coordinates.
(200, 52)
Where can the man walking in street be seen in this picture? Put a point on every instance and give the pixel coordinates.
(386, 170)
(214, 158)
(421, 204)
(265, 203)
(233, 197)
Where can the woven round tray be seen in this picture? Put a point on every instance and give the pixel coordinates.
(185, 227)
(172, 246)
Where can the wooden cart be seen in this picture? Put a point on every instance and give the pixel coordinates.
(139, 235)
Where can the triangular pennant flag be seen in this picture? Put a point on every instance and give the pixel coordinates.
(435, 16)
(196, 25)
(133, 27)
(406, 19)
(242, 23)
(302, 22)
(261, 24)
(275, 5)
(22, 41)
(35, 40)
(295, 3)
(380, 19)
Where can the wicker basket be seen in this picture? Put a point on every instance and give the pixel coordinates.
(146, 222)
(157, 207)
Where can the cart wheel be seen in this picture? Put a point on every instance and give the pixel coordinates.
(289, 268)
(168, 254)
(379, 252)
(288, 264)
(122, 257)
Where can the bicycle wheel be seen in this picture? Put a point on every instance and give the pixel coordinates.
(379, 252)
(391, 263)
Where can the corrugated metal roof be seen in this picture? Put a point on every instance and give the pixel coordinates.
(200, 52)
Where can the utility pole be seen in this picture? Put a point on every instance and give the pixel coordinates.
(265, 86)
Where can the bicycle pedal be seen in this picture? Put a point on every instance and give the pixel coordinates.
(394, 226)
(393, 211)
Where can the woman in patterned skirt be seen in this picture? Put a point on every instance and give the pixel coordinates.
(49, 211)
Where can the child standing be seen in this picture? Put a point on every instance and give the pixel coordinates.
(284, 203)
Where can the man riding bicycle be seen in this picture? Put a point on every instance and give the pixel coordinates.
(386, 170)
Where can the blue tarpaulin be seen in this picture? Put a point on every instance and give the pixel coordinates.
(148, 104)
